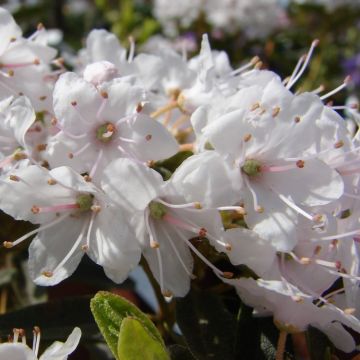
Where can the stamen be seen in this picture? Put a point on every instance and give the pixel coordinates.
(97, 162)
(172, 105)
(43, 227)
(37, 335)
(336, 90)
(241, 69)
(295, 71)
(56, 208)
(194, 205)
(280, 168)
(131, 50)
(86, 247)
(314, 44)
(257, 207)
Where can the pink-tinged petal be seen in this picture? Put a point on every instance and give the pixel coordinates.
(28, 187)
(131, 185)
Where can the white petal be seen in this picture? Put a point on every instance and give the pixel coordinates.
(131, 185)
(16, 351)
(339, 337)
(59, 350)
(249, 249)
(51, 246)
(8, 29)
(113, 244)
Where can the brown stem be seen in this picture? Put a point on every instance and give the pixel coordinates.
(281, 345)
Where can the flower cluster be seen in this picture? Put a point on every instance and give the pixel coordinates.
(282, 166)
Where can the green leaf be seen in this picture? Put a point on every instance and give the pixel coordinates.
(137, 343)
(110, 310)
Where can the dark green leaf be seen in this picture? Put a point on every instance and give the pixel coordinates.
(318, 344)
(179, 352)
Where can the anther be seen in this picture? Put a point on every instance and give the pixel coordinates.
(53, 121)
(95, 208)
(139, 107)
(87, 178)
(73, 103)
(154, 244)
(42, 98)
(47, 274)
(36, 330)
(254, 60)
(247, 137)
(150, 163)
(19, 156)
(259, 209)
(14, 178)
(297, 299)
(338, 144)
(255, 106)
(202, 232)
(13, 39)
(51, 182)
(300, 164)
(317, 250)
(84, 248)
(148, 137)
(318, 218)
(104, 94)
(338, 264)
(11, 72)
(35, 209)
(167, 293)
(41, 147)
(305, 261)
(349, 311)
(8, 244)
(228, 247)
(40, 26)
(259, 65)
(227, 275)
(70, 155)
(197, 205)
(36, 61)
(275, 112)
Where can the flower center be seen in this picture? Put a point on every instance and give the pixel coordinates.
(85, 202)
(157, 210)
(105, 132)
(251, 167)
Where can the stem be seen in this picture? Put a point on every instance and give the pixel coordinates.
(164, 109)
(3, 300)
(281, 345)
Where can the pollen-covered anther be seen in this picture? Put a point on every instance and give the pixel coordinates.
(202, 232)
(227, 274)
(19, 156)
(150, 163)
(47, 274)
(36, 61)
(247, 137)
(139, 108)
(259, 209)
(154, 244)
(13, 39)
(339, 144)
(53, 121)
(148, 137)
(8, 244)
(35, 209)
(317, 250)
(297, 119)
(300, 164)
(197, 205)
(228, 247)
(41, 147)
(96, 208)
(104, 94)
(84, 248)
(255, 106)
(70, 155)
(74, 103)
(167, 293)
(52, 182)
(350, 311)
(87, 178)
(275, 111)
(338, 264)
(305, 261)
(318, 218)
(297, 299)
(11, 73)
(14, 178)
(42, 98)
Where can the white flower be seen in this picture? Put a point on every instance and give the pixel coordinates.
(76, 217)
(17, 350)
